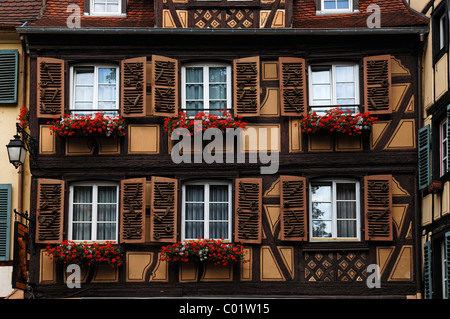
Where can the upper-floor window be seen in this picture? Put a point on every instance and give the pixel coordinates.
(439, 26)
(206, 88)
(334, 210)
(443, 147)
(206, 211)
(94, 88)
(107, 7)
(335, 6)
(93, 211)
(333, 85)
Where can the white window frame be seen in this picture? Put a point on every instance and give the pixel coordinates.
(442, 32)
(321, 109)
(94, 221)
(334, 211)
(206, 202)
(96, 66)
(206, 83)
(443, 138)
(335, 11)
(92, 12)
(445, 280)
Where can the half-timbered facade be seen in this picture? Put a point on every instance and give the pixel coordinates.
(336, 204)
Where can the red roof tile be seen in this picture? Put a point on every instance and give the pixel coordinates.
(393, 13)
(139, 15)
(16, 12)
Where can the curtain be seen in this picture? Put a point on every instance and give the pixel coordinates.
(218, 211)
(217, 89)
(346, 209)
(106, 212)
(107, 89)
(82, 213)
(194, 90)
(106, 5)
(194, 215)
(84, 89)
(345, 85)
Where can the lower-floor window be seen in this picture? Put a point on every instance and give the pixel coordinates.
(206, 210)
(334, 211)
(93, 211)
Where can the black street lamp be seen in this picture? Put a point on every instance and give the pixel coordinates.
(17, 149)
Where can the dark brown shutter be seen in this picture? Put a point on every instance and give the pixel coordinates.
(164, 86)
(378, 84)
(133, 91)
(50, 87)
(378, 207)
(293, 86)
(132, 210)
(246, 75)
(163, 215)
(50, 211)
(293, 208)
(248, 210)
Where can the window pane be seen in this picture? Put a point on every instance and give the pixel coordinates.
(343, 4)
(194, 211)
(194, 75)
(84, 93)
(218, 230)
(112, 8)
(329, 4)
(194, 230)
(106, 231)
(217, 91)
(345, 191)
(81, 231)
(195, 193)
(345, 90)
(322, 94)
(84, 76)
(82, 194)
(107, 75)
(345, 73)
(321, 192)
(218, 211)
(346, 210)
(322, 211)
(321, 75)
(218, 193)
(100, 7)
(194, 92)
(346, 228)
(321, 228)
(217, 74)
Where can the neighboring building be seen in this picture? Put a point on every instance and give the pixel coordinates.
(434, 181)
(14, 183)
(336, 205)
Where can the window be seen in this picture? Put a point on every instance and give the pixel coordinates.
(334, 210)
(94, 88)
(444, 273)
(335, 6)
(444, 147)
(206, 211)
(206, 87)
(333, 85)
(439, 26)
(93, 211)
(106, 7)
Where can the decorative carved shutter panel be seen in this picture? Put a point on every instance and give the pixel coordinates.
(164, 206)
(424, 157)
(378, 207)
(246, 88)
(132, 210)
(427, 274)
(50, 211)
(248, 210)
(164, 86)
(133, 91)
(293, 86)
(50, 87)
(293, 208)
(378, 84)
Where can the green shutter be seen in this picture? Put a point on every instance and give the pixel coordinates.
(424, 157)
(9, 60)
(427, 270)
(5, 221)
(447, 262)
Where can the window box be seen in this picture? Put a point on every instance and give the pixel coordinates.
(99, 125)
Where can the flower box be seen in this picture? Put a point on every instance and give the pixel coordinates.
(337, 121)
(213, 251)
(97, 125)
(70, 252)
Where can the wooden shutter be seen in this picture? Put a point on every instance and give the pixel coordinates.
(163, 212)
(9, 61)
(293, 208)
(248, 210)
(378, 84)
(133, 90)
(5, 221)
(246, 88)
(427, 274)
(447, 263)
(378, 207)
(132, 210)
(165, 91)
(50, 87)
(50, 211)
(424, 157)
(293, 86)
